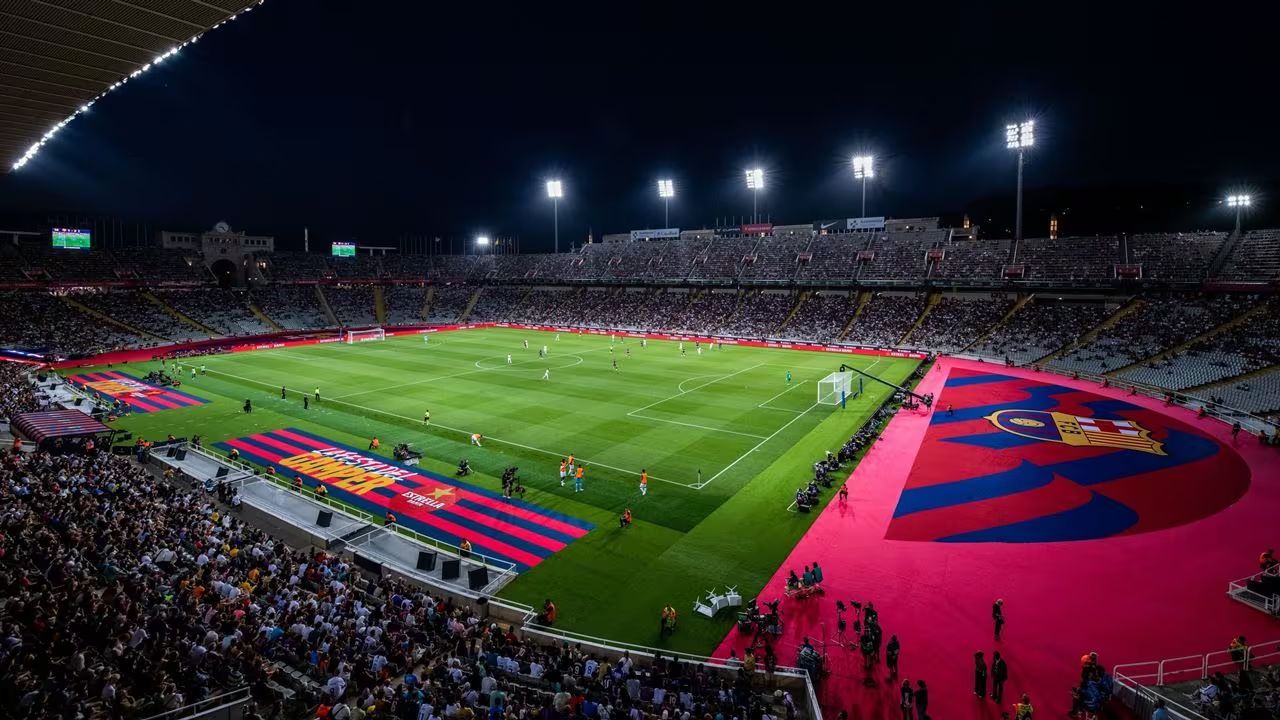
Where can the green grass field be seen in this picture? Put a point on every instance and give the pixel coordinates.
(725, 439)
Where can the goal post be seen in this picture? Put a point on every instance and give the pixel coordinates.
(356, 336)
(838, 386)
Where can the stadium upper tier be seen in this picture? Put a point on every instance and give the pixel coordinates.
(931, 256)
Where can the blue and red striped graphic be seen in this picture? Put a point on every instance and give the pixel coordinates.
(440, 507)
(140, 396)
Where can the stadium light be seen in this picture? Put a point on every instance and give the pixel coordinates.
(666, 191)
(862, 170)
(49, 134)
(755, 182)
(1019, 136)
(1239, 202)
(482, 240)
(555, 191)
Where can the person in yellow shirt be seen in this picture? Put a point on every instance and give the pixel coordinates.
(577, 479)
(571, 462)
(668, 624)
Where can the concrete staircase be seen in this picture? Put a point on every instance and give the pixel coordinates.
(1001, 322)
(1128, 308)
(263, 318)
(800, 301)
(427, 297)
(864, 299)
(112, 321)
(180, 316)
(328, 311)
(471, 305)
(379, 306)
(933, 300)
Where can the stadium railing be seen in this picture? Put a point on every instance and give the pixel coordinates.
(1248, 421)
(1239, 590)
(790, 678)
(1139, 685)
(223, 706)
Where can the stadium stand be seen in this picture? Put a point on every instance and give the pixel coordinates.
(136, 311)
(1041, 327)
(1255, 257)
(958, 320)
(821, 317)
(973, 259)
(1175, 257)
(885, 319)
(353, 305)
(706, 313)
(1158, 324)
(296, 266)
(221, 310)
(41, 322)
(759, 314)
(1251, 345)
(497, 304)
(156, 266)
(1070, 259)
(404, 304)
(292, 307)
(448, 302)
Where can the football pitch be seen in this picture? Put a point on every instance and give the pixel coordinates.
(725, 438)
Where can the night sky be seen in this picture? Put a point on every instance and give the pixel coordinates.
(370, 121)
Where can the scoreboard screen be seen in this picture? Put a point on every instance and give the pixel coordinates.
(71, 238)
(344, 249)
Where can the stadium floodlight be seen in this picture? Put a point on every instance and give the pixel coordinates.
(1239, 202)
(555, 191)
(862, 170)
(755, 182)
(666, 191)
(1019, 136)
(482, 240)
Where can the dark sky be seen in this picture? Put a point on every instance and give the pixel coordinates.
(368, 120)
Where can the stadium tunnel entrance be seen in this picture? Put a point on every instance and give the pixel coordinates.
(225, 271)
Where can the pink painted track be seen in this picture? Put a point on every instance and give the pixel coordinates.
(1131, 596)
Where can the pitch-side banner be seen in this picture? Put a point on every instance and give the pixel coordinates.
(757, 228)
(867, 223)
(659, 234)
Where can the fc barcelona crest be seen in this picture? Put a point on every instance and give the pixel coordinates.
(1076, 430)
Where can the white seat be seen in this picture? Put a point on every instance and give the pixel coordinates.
(702, 609)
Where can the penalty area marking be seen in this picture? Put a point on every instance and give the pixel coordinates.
(712, 479)
(767, 406)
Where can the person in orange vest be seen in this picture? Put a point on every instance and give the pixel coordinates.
(644, 482)
(549, 613)
(577, 479)
(390, 519)
(320, 489)
(17, 448)
(374, 444)
(571, 462)
(476, 438)
(465, 547)
(563, 465)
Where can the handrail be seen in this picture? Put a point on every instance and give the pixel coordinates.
(1249, 656)
(213, 702)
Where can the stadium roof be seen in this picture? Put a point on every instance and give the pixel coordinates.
(58, 56)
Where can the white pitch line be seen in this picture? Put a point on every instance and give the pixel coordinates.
(320, 404)
(767, 406)
(757, 447)
(698, 387)
(693, 425)
(459, 374)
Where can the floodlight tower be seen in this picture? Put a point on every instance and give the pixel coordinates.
(1020, 137)
(862, 170)
(555, 191)
(482, 241)
(666, 191)
(1239, 202)
(755, 182)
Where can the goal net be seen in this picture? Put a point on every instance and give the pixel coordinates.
(355, 336)
(835, 387)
